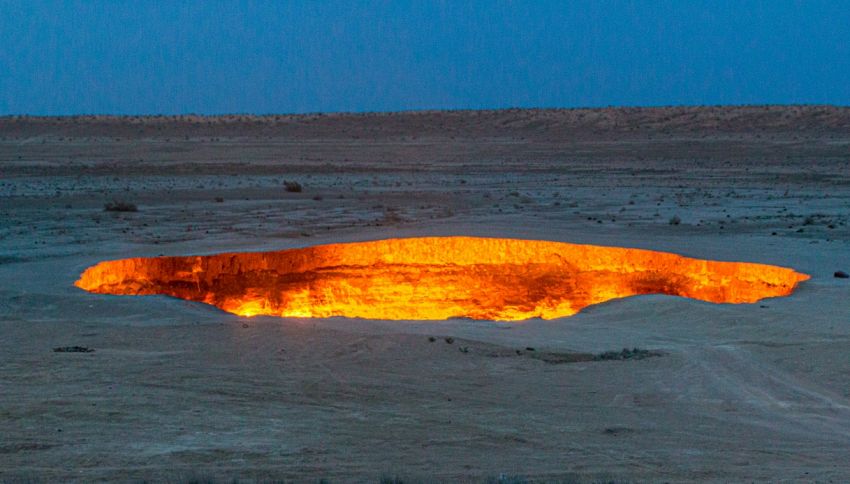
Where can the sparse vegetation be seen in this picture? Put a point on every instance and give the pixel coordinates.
(575, 357)
(292, 186)
(675, 220)
(117, 206)
(626, 354)
(72, 349)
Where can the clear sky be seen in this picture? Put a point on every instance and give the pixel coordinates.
(208, 56)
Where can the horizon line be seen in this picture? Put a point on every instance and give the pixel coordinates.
(421, 111)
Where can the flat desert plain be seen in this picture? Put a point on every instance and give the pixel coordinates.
(176, 390)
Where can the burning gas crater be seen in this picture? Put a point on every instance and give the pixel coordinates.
(435, 278)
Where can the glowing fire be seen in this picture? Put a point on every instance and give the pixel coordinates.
(436, 278)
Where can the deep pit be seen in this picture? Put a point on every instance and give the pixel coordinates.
(435, 278)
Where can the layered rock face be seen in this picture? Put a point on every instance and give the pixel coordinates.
(435, 278)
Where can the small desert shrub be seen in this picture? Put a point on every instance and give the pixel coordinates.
(675, 220)
(117, 206)
(292, 186)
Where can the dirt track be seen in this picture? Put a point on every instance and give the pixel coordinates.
(177, 389)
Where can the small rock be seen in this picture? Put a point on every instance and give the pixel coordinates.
(841, 275)
(432, 339)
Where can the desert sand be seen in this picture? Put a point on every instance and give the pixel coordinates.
(176, 390)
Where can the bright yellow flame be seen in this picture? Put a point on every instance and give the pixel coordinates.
(433, 278)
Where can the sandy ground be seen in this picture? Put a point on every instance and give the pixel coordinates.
(178, 389)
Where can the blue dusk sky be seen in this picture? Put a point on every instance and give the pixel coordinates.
(212, 57)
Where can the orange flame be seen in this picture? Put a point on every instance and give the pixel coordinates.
(434, 278)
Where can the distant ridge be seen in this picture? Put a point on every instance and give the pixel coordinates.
(529, 123)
